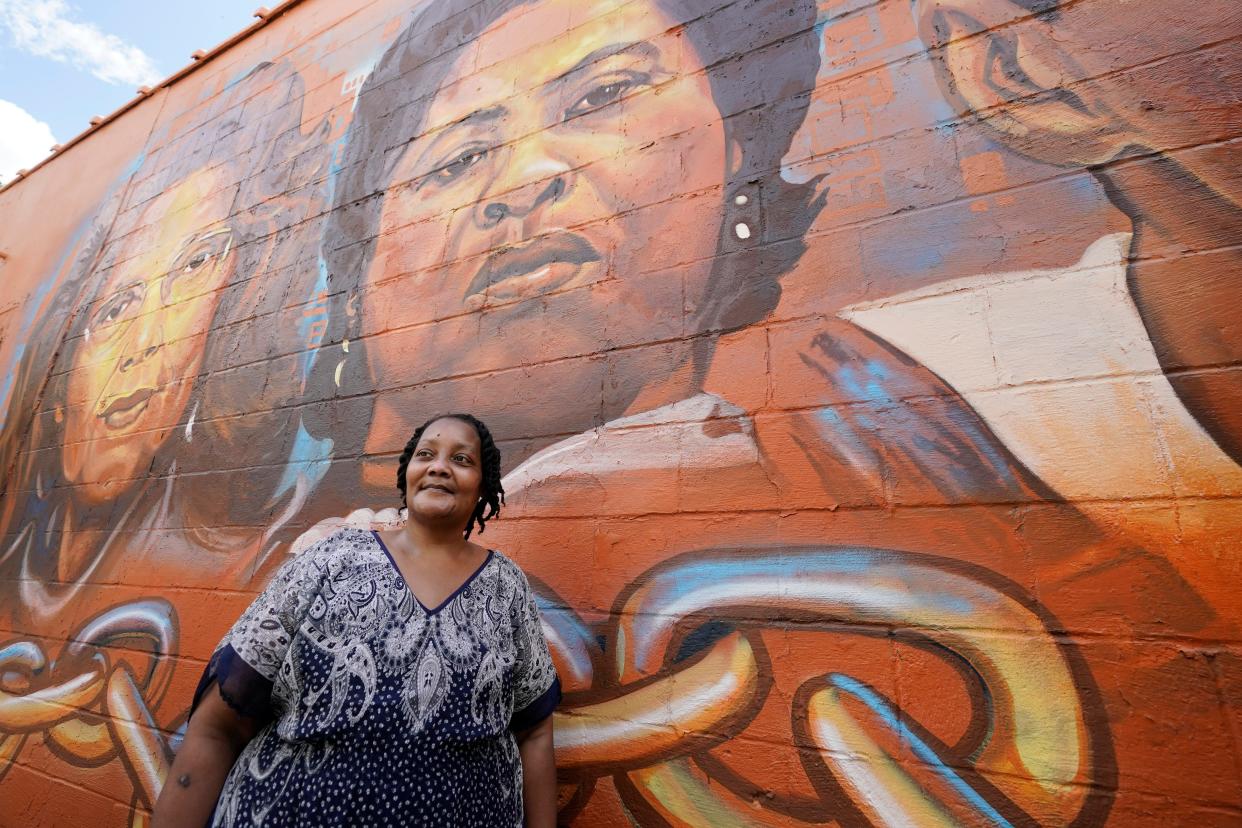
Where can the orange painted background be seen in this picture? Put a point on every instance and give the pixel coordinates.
(868, 377)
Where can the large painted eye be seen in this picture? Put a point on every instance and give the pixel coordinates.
(117, 308)
(198, 263)
(196, 266)
(602, 94)
(197, 260)
(458, 167)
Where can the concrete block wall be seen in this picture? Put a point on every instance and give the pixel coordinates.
(867, 376)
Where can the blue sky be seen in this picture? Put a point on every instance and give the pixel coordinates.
(63, 61)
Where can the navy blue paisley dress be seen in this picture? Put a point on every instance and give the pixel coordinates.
(382, 711)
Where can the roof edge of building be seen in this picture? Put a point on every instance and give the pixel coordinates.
(197, 60)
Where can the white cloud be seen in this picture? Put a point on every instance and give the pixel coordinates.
(24, 140)
(44, 28)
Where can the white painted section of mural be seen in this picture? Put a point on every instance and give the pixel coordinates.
(1086, 408)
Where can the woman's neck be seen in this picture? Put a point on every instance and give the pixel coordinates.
(1173, 210)
(434, 536)
(631, 382)
(83, 535)
(682, 383)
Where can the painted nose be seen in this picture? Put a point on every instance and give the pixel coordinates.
(147, 341)
(532, 180)
(516, 205)
(133, 360)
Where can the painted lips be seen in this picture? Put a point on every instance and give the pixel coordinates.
(123, 411)
(534, 268)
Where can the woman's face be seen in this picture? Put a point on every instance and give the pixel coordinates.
(132, 372)
(445, 474)
(572, 191)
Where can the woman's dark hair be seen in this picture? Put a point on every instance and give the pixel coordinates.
(491, 492)
(761, 60)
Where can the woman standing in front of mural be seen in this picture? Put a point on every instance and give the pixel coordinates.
(563, 235)
(403, 679)
(135, 398)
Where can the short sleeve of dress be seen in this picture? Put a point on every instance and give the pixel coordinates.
(537, 689)
(247, 659)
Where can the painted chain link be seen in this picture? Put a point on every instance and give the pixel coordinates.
(91, 704)
(1036, 755)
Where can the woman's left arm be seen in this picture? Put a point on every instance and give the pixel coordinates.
(537, 692)
(538, 775)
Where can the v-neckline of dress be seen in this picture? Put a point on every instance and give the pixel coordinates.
(427, 610)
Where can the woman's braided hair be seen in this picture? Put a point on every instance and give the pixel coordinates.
(491, 492)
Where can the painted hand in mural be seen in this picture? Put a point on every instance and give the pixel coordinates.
(378, 519)
(1018, 66)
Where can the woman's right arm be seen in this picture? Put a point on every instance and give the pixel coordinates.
(213, 741)
(244, 665)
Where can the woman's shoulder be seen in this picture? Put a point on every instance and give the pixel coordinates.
(341, 538)
(507, 566)
(345, 544)
(511, 573)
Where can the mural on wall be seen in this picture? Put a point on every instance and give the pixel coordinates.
(132, 406)
(832, 520)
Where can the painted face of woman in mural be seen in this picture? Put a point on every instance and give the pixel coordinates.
(132, 373)
(592, 196)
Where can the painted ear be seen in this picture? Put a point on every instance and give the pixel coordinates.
(1020, 80)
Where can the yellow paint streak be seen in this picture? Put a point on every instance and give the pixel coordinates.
(675, 714)
(38, 710)
(874, 781)
(685, 798)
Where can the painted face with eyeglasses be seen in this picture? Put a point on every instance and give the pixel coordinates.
(133, 370)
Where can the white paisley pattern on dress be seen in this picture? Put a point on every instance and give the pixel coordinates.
(376, 698)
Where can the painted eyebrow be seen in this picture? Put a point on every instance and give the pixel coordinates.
(200, 236)
(639, 47)
(479, 116)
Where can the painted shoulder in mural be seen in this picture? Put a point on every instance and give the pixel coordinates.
(867, 376)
